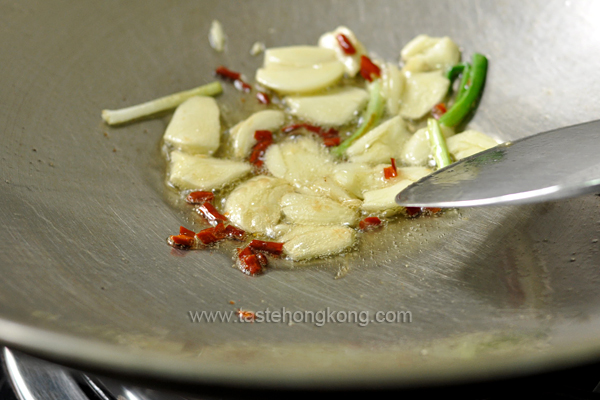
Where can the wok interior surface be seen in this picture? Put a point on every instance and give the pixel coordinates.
(87, 278)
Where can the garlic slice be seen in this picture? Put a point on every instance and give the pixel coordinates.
(216, 36)
(201, 172)
(425, 53)
(413, 173)
(417, 150)
(334, 108)
(421, 92)
(468, 143)
(393, 87)
(358, 178)
(297, 56)
(326, 187)
(254, 205)
(195, 126)
(381, 143)
(384, 200)
(351, 61)
(306, 79)
(315, 210)
(299, 161)
(305, 241)
(242, 134)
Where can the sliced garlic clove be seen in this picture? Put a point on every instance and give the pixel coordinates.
(384, 200)
(468, 143)
(201, 172)
(393, 87)
(195, 126)
(425, 53)
(299, 161)
(381, 143)
(334, 108)
(326, 187)
(297, 56)
(314, 210)
(275, 163)
(358, 178)
(254, 205)
(351, 61)
(413, 173)
(242, 134)
(417, 150)
(421, 92)
(306, 242)
(377, 153)
(307, 79)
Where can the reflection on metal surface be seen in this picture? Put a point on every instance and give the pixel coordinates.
(34, 379)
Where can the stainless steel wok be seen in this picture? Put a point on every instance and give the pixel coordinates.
(86, 276)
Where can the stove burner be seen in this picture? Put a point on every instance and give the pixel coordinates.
(29, 378)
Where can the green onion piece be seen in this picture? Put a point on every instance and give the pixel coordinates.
(438, 144)
(113, 117)
(455, 71)
(464, 83)
(370, 118)
(475, 84)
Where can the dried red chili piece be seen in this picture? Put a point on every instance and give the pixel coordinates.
(199, 197)
(250, 265)
(227, 73)
(181, 242)
(207, 236)
(291, 128)
(210, 213)
(263, 135)
(186, 232)
(332, 141)
(246, 251)
(369, 223)
(258, 151)
(263, 98)
(416, 211)
(234, 233)
(262, 259)
(331, 132)
(270, 247)
(368, 69)
(219, 231)
(212, 235)
(388, 173)
(438, 110)
(308, 127)
(413, 211)
(345, 44)
(242, 86)
(391, 171)
(330, 136)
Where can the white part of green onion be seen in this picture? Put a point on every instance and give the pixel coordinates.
(438, 144)
(114, 117)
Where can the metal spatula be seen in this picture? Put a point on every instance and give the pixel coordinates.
(548, 166)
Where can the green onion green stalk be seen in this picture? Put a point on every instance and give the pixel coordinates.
(370, 118)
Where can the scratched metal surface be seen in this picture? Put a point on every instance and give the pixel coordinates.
(88, 280)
